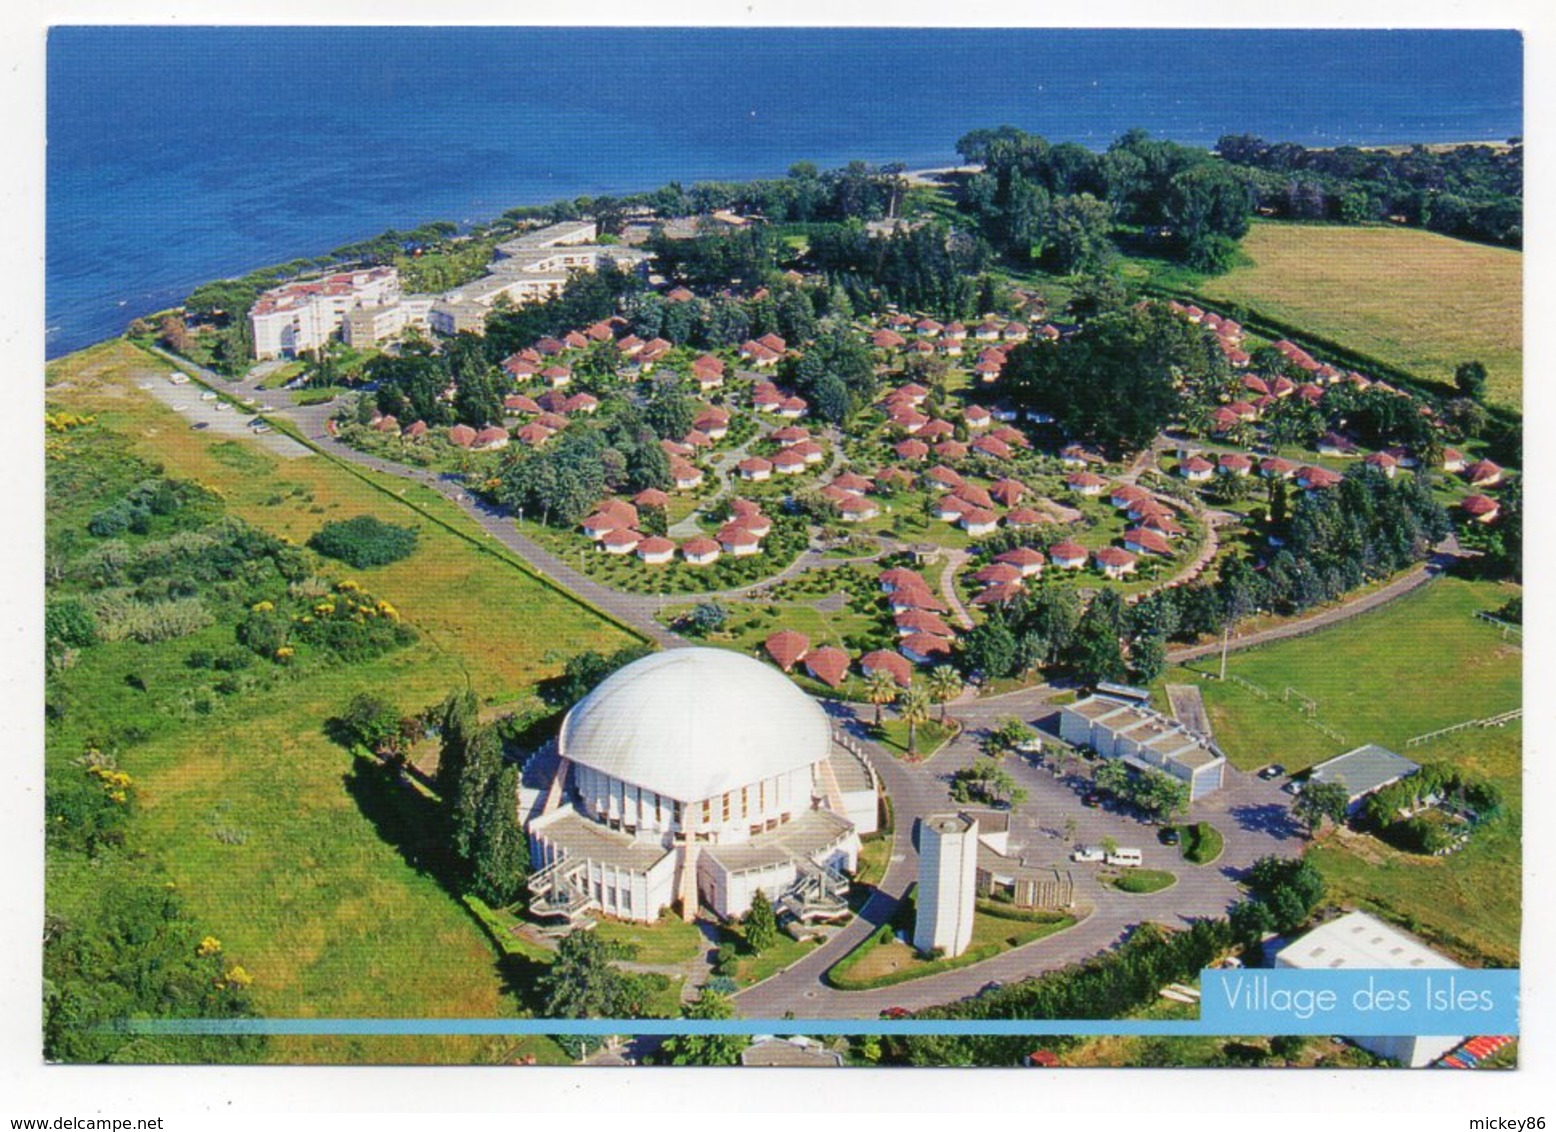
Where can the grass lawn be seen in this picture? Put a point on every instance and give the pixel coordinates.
(882, 960)
(1419, 300)
(671, 940)
(1141, 881)
(931, 736)
(314, 871)
(751, 969)
(1419, 663)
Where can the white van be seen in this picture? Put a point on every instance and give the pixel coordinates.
(1128, 858)
(1087, 853)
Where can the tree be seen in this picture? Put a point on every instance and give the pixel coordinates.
(499, 852)
(945, 684)
(671, 413)
(372, 721)
(456, 727)
(989, 650)
(914, 707)
(706, 617)
(581, 983)
(1148, 657)
(1112, 777)
(1077, 231)
(1320, 800)
(1469, 378)
(1006, 736)
(987, 783)
(879, 689)
(761, 924)
(706, 1049)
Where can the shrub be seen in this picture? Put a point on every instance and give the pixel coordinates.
(364, 541)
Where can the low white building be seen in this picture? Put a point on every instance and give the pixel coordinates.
(1147, 740)
(1359, 941)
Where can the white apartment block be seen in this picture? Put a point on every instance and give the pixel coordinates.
(304, 316)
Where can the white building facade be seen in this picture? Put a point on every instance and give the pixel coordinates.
(947, 883)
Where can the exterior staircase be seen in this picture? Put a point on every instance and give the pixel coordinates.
(818, 893)
(559, 890)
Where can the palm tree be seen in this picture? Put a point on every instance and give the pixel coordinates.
(914, 707)
(879, 688)
(945, 684)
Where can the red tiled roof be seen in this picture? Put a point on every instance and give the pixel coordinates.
(922, 621)
(1021, 556)
(1025, 517)
(462, 435)
(1478, 505)
(1067, 550)
(893, 664)
(651, 497)
(951, 450)
(786, 647)
(1143, 538)
(911, 449)
(1115, 556)
(698, 547)
(827, 664)
(925, 645)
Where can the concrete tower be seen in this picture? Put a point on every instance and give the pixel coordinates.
(947, 882)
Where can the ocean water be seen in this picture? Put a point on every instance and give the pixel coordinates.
(177, 155)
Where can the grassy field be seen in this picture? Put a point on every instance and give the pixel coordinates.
(309, 866)
(1421, 301)
(1419, 663)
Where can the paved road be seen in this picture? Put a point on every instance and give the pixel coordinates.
(1253, 817)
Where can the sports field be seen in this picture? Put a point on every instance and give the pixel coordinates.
(1421, 301)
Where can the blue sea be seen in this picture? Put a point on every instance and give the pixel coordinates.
(177, 155)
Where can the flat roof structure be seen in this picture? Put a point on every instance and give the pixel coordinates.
(1364, 770)
(806, 836)
(1362, 941)
(598, 842)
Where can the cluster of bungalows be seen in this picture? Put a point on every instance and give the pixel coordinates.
(1005, 577)
(614, 529)
(1118, 727)
(1229, 333)
(798, 451)
(848, 493)
(768, 399)
(548, 360)
(764, 352)
(1482, 475)
(923, 637)
(988, 341)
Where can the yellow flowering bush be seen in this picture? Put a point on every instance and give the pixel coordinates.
(210, 945)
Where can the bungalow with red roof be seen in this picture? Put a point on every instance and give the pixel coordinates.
(999, 594)
(1481, 508)
(585, 403)
(998, 573)
(899, 577)
(1483, 473)
(949, 347)
(1196, 469)
(684, 476)
(1074, 456)
(1453, 460)
(736, 540)
(1068, 555)
(1234, 464)
(951, 450)
(1025, 517)
(550, 347)
(651, 497)
(655, 550)
(793, 408)
(908, 421)
(679, 295)
(1126, 494)
(987, 331)
(491, 438)
(922, 648)
(1143, 540)
(696, 438)
(754, 469)
(828, 664)
(913, 597)
(416, 431)
(1086, 483)
(893, 664)
(601, 331)
(852, 482)
(993, 446)
(1383, 462)
(712, 423)
(887, 340)
(653, 350)
(630, 346)
(1018, 332)
(386, 424)
(911, 621)
(1272, 467)
(461, 436)
(700, 551)
(554, 421)
(911, 449)
(807, 450)
(976, 416)
(857, 509)
(557, 376)
(1007, 492)
(950, 508)
(979, 522)
(1028, 562)
(623, 541)
(936, 430)
(1223, 420)
(1114, 561)
(1313, 478)
(1012, 436)
(520, 369)
(573, 340)
(975, 495)
(1333, 444)
(518, 403)
(786, 647)
(675, 449)
(928, 327)
(758, 355)
(944, 478)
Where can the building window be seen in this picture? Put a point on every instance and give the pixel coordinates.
(626, 900)
(726, 807)
(744, 799)
(707, 810)
(679, 813)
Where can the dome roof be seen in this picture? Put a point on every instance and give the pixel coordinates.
(692, 723)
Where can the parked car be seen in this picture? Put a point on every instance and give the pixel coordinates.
(1274, 770)
(894, 1012)
(1168, 835)
(1093, 800)
(1087, 853)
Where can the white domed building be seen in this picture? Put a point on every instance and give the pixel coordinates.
(692, 775)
